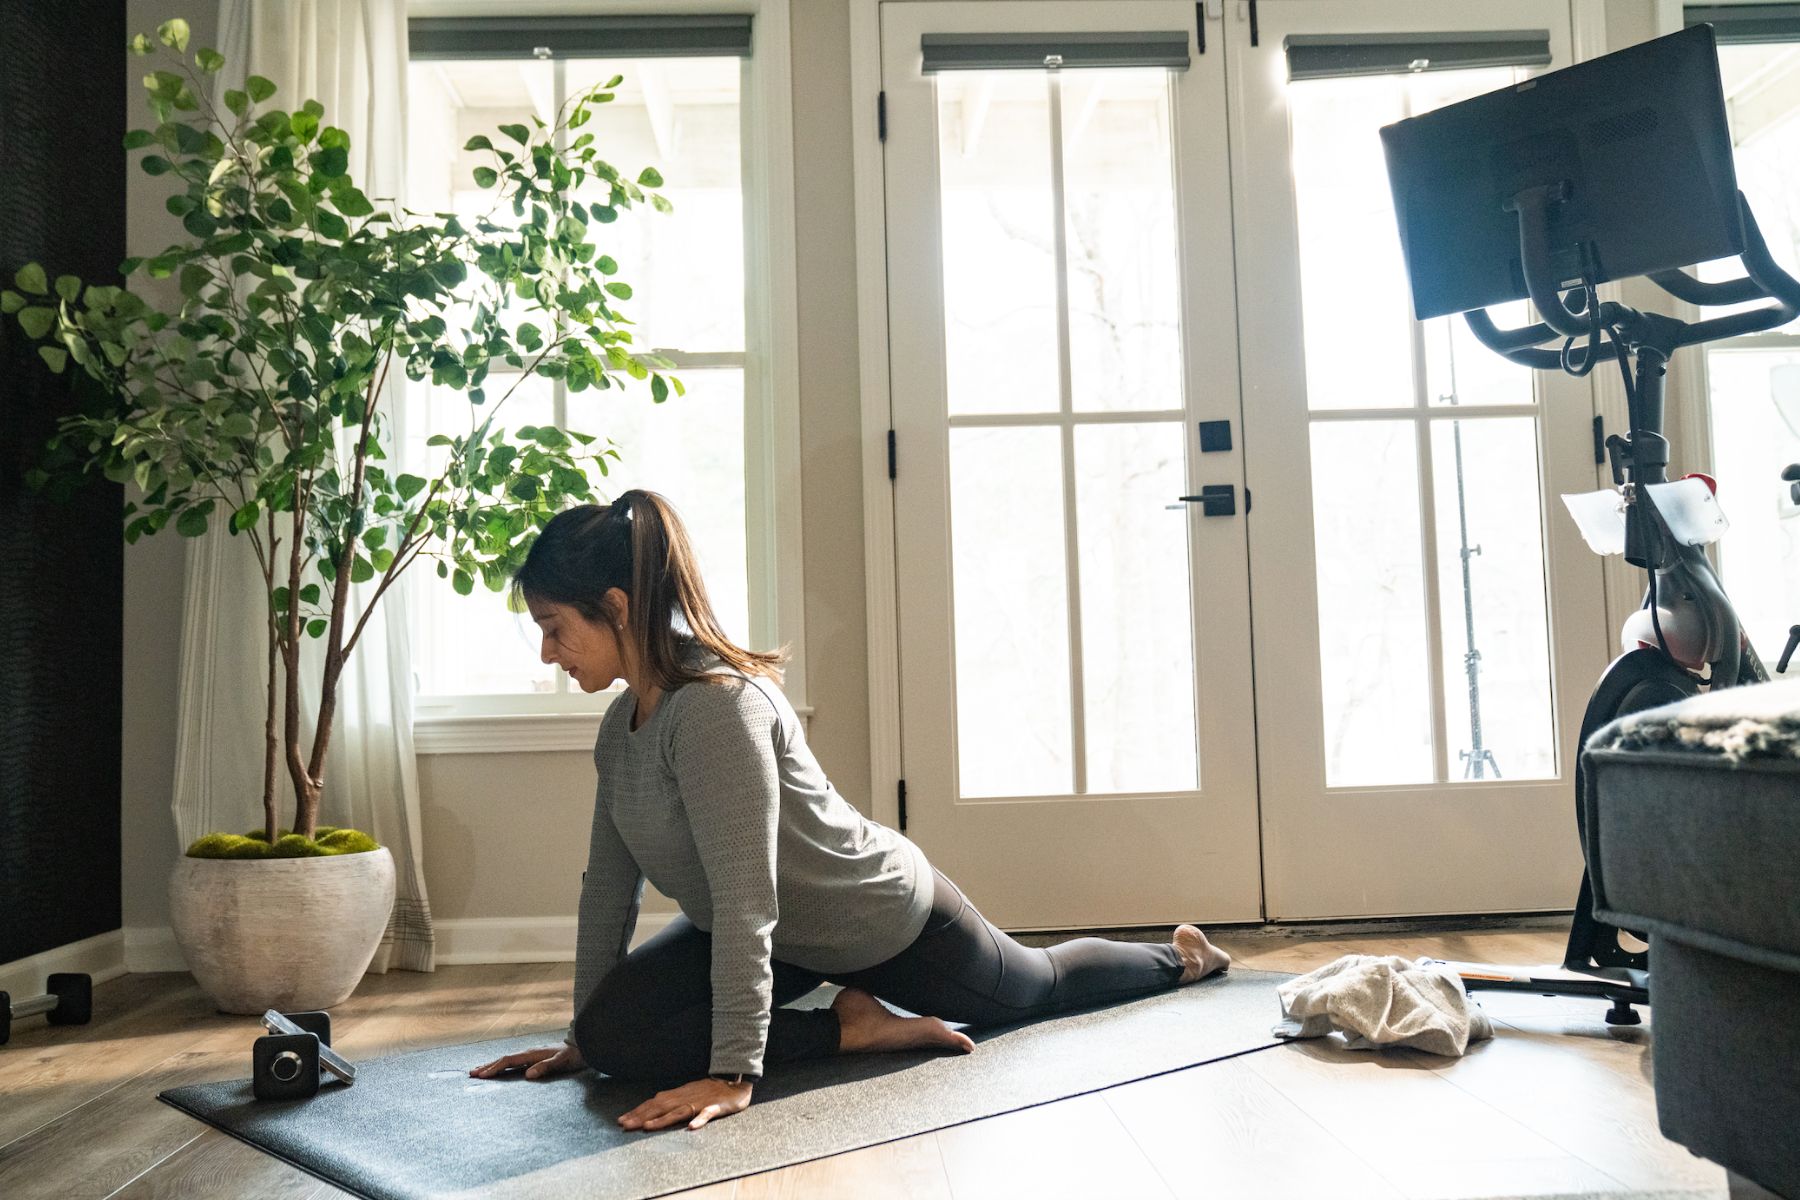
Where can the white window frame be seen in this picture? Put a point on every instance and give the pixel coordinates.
(511, 724)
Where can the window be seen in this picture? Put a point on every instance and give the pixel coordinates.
(682, 109)
(1753, 383)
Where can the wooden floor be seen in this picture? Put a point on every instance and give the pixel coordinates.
(1557, 1104)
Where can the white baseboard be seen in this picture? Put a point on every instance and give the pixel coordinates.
(102, 956)
(523, 939)
(151, 949)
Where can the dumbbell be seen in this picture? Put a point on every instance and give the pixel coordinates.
(70, 1001)
(289, 1062)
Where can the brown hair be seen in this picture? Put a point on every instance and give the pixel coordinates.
(639, 545)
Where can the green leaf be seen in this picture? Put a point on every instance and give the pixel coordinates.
(304, 125)
(659, 389)
(191, 523)
(462, 582)
(260, 89)
(351, 202)
(54, 358)
(156, 164)
(11, 302)
(199, 224)
(141, 45)
(68, 287)
(137, 139)
(478, 142)
(621, 290)
(317, 628)
(173, 34)
(309, 594)
(210, 60)
(485, 177)
(331, 162)
(606, 264)
(409, 486)
(30, 278)
(246, 516)
(525, 487)
(661, 204)
(362, 570)
(517, 133)
(37, 322)
(604, 213)
(237, 102)
(331, 225)
(383, 559)
(650, 177)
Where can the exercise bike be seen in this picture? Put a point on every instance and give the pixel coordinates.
(1688, 636)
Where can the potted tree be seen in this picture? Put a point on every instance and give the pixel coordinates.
(250, 393)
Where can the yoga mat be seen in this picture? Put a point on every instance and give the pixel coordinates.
(415, 1125)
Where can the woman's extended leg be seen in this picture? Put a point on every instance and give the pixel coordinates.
(651, 1017)
(962, 968)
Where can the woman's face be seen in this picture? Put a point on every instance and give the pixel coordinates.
(590, 651)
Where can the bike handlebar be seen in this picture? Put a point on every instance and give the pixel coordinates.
(1763, 279)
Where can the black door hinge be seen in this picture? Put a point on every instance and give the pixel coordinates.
(881, 115)
(1599, 441)
(1253, 29)
(893, 456)
(903, 806)
(1200, 26)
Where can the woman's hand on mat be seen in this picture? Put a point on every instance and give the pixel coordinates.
(538, 1063)
(696, 1103)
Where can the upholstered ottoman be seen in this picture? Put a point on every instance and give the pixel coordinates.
(1692, 818)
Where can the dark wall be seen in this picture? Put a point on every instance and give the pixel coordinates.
(62, 204)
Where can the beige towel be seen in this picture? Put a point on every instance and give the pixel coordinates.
(1383, 1001)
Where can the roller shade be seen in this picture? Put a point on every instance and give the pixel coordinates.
(1745, 23)
(727, 34)
(1331, 56)
(1035, 51)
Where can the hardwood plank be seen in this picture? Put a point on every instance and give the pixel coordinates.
(1074, 1148)
(1425, 1136)
(907, 1169)
(1222, 1130)
(139, 1021)
(1586, 1088)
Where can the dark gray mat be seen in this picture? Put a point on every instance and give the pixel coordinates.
(415, 1125)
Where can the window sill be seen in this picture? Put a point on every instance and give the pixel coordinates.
(518, 733)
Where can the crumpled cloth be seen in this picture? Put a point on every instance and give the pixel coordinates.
(1383, 1000)
(1758, 721)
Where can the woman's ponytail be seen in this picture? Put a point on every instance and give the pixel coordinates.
(639, 545)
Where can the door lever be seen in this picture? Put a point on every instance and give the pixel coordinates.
(1215, 499)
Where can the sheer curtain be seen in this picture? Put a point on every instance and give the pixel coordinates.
(350, 55)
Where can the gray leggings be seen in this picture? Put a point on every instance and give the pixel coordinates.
(651, 1017)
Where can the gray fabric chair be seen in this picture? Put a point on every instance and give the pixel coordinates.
(1692, 819)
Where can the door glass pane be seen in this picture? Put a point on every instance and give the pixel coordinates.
(1372, 649)
(1493, 615)
(1136, 611)
(1011, 612)
(999, 243)
(1755, 396)
(1355, 306)
(1124, 263)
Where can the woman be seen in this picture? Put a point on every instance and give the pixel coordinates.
(707, 788)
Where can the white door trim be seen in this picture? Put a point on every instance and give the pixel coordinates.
(881, 601)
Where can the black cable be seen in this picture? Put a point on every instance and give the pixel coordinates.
(1655, 621)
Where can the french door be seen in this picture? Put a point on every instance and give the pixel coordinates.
(1129, 276)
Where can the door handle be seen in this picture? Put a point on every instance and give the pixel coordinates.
(1215, 499)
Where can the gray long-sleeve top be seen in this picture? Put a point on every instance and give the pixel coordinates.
(719, 802)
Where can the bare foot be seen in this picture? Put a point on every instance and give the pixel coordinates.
(867, 1025)
(1201, 956)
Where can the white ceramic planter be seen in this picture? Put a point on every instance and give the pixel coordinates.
(293, 934)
